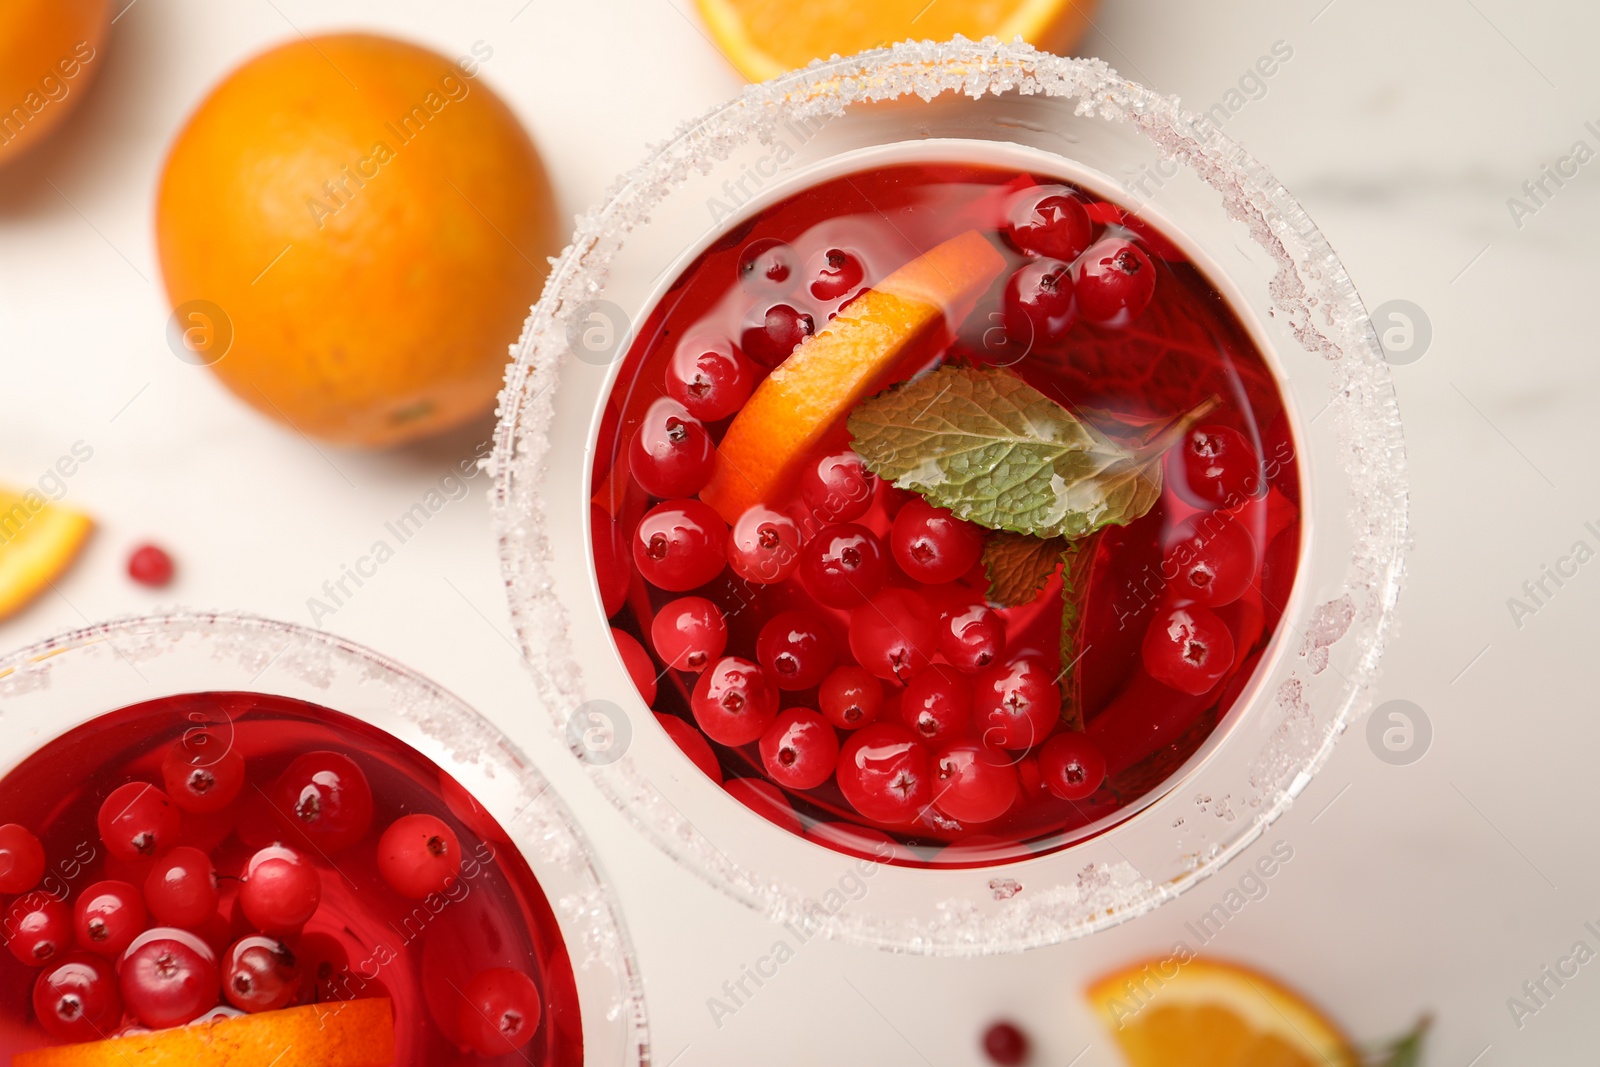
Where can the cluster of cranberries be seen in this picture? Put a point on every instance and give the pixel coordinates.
(171, 947)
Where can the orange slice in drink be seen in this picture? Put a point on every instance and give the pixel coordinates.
(38, 541)
(1205, 1013)
(351, 1033)
(896, 324)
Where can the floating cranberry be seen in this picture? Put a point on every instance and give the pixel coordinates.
(973, 783)
(202, 772)
(972, 637)
(1115, 282)
(894, 635)
(181, 889)
(281, 890)
(689, 633)
(932, 545)
(76, 999)
(1039, 304)
(885, 774)
(1015, 705)
(680, 544)
(38, 928)
(1049, 220)
(150, 565)
(734, 701)
(641, 668)
(1072, 766)
(168, 977)
(799, 749)
(326, 797)
(671, 454)
(850, 697)
(694, 745)
(767, 261)
(776, 334)
(710, 378)
(836, 275)
(763, 545)
(107, 917)
(1216, 466)
(610, 559)
(260, 974)
(937, 704)
(843, 565)
(500, 1011)
(137, 821)
(21, 859)
(1210, 560)
(796, 648)
(1188, 648)
(1005, 1044)
(838, 487)
(419, 855)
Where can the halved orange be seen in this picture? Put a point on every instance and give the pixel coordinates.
(38, 541)
(890, 326)
(351, 1033)
(767, 37)
(1207, 1013)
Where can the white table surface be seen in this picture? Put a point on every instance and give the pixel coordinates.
(1402, 128)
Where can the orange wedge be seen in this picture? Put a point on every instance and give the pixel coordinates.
(38, 541)
(1205, 1013)
(897, 322)
(350, 1033)
(766, 37)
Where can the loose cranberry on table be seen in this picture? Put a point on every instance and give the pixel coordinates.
(689, 633)
(886, 774)
(775, 333)
(1005, 1044)
(671, 454)
(835, 274)
(937, 703)
(77, 999)
(1071, 766)
(973, 783)
(932, 545)
(641, 668)
(894, 635)
(202, 772)
(972, 637)
(799, 749)
(1049, 220)
(500, 1011)
(168, 977)
(843, 565)
(734, 701)
(326, 797)
(1114, 281)
(796, 648)
(763, 545)
(260, 974)
(1215, 466)
(150, 565)
(108, 916)
(838, 487)
(850, 697)
(1039, 306)
(680, 545)
(710, 378)
(1015, 705)
(419, 855)
(38, 928)
(281, 890)
(137, 821)
(1188, 648)
(21, 859)
(1211, 559)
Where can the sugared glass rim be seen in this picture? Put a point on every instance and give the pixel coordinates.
(286, 659)
(1310, 293)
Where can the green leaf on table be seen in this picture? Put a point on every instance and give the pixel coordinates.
(1077, 573)
(1019, 565)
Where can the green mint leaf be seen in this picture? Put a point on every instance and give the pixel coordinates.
(1077, 573)
(1018, 565)
(1406, 1051)
(996, 451)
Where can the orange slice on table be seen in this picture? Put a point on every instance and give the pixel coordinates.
(350, 1033)
(896, 323)
(38, 541)
(1206, 1013)
(767, 37)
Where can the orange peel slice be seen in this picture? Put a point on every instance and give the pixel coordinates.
(38, 542)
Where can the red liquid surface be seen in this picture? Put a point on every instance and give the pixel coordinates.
(1185, 347)
(364, 940)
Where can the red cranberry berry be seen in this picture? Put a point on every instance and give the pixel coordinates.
(1005, 1045)
(1072, 766)
(799, 749)
(894, 635)
(1015, 704)
(709, 378)
(972, 637)
(973, 783)
(932, 545)
(671, 454)
(796, 649)
(500, 1011)
(76, 999)
(202, 772)
(885, 774)
(137, 821)
(1114, 281)
(836, 275)
(107, 917)
(777, 333)
(680, 544)
(168, 977)
(937, 704)
(767, 262)
(838, 487)
(150, 565)
(325, 796)
(419, 855)
(850, 697)
(260, 974)
(38, 928)
(21, 859)
(689, 633)
(694, 745)
(1216, 466)
(281, 890)
(641, 668)
(1049, 220)
(763, 545)
(843, 565)
(1039, 304)
(1210, 560)
(181, 889)
(734, 701)
(611, 569)
(1189, 649)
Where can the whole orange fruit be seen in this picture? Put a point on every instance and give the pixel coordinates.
(352, 230)
(50, 50)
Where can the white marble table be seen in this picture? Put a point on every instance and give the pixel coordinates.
(1403, 128)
